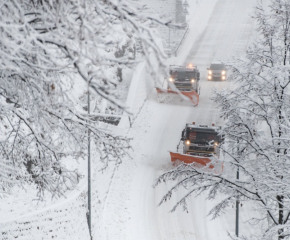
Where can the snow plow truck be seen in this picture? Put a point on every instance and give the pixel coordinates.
(199, 144)
(183, 80)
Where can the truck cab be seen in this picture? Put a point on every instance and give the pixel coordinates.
(201, 140)
(185, 79)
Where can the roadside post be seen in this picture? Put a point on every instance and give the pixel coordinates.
(237, 209)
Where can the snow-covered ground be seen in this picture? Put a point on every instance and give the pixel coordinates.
(124, 202)
(219, 29)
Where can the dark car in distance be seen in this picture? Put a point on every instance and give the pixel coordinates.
(217, 72)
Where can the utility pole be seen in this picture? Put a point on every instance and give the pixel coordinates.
(89, 212)
(169, 41)
(237, 208)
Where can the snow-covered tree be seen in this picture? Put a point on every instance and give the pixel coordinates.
(257, 130)
(51, 54)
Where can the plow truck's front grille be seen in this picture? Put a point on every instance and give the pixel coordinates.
(200, 154)
(183, 86)
(201, 149)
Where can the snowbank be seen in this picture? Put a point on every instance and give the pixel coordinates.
(66, 221)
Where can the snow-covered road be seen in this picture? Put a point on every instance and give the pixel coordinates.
(219, 29)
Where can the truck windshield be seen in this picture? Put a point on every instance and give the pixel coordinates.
(183, 75)
(217, 66)
(202, 137)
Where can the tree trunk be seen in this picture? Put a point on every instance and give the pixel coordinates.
(281, 217)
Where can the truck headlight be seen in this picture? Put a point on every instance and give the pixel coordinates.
(187, 142)
(171, 80)
(192, 80)
(223, 77)
(209, 77)
(209, 71)
(223, 72)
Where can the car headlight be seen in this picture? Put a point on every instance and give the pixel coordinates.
(223, 72)
(187, 142)
(209, 71)
(209, 77)
(192, 80)
(171, 80)
(223, 77)
(216, 144)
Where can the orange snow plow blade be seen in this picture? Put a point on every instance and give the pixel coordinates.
(192, 95)
(190, 159)
(204, 161)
